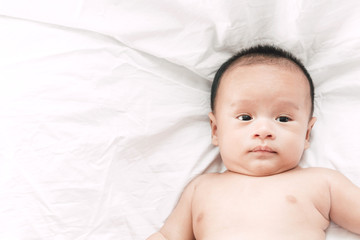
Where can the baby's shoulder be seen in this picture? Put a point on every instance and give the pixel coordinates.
(206, 180)
(318, 173)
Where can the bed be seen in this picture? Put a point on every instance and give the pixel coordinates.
(103, 111)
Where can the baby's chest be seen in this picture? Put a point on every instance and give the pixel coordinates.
(244, 207)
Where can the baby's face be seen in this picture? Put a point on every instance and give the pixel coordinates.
(261, 120)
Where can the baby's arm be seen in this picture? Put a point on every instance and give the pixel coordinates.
(345, 202)
(178, 225)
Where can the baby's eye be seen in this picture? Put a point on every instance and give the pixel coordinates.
(283, 119)
(244, 117)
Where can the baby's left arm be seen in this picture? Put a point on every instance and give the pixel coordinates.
(345, 202)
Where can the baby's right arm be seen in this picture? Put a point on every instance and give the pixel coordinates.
(178, 225)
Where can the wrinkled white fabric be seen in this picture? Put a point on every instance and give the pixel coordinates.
(103, 104)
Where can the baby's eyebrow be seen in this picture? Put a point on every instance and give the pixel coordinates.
(290, 104)
(279, 102)
(243, 102)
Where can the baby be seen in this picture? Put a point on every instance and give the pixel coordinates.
(262, 105)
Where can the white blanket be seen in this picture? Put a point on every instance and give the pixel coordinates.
(103, 104)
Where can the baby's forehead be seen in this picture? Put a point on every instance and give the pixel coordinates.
(238, 68)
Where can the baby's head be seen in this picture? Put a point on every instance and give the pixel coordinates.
(262, 105)
(261, 54)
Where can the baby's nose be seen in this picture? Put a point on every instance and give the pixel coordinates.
(264, 130)
(264, 135)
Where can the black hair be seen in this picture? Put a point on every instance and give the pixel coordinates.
(260, 54)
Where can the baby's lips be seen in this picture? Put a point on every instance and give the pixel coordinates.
(263, 148)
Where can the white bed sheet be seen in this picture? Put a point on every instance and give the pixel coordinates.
(103, 111)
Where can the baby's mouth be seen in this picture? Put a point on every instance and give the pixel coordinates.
(264, 149)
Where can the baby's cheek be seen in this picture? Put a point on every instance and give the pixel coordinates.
(296, 151)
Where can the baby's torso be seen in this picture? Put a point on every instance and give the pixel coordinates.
(293, 205)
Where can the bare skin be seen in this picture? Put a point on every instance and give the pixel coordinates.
(273, 204)
(261, 124)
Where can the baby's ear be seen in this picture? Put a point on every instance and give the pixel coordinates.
(308, 132)
(213, 128)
